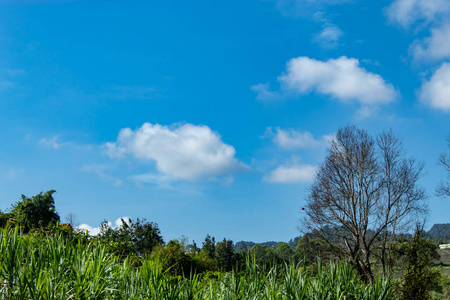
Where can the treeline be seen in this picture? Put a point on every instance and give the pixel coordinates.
(139, 239)
(59, 266)
(138, 242)
(438, 232)
(410, 259)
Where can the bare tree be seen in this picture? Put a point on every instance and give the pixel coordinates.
(71, 218)
(366, 190)
(402, 201)
(443, 189)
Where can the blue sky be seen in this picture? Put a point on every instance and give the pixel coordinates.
(209, 117)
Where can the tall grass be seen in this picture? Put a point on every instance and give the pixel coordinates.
(59, 268)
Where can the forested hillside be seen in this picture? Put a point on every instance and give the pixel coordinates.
(440, 233)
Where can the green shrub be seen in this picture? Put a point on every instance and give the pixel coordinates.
(418, 276)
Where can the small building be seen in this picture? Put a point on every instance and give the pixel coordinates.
(444, 246)
(66, 227)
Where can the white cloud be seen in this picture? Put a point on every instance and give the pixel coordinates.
(52, 142)
(264, 93)
(185, 152)
(436, 91)
(161, 180)
(292, 174)
(434, 47)
(304, 7)
(91, 230)
(366, 112)
(423, 14)
(341, 78)
(94, 168)
(118, 221)
(291, 139)
(407, 12)
(102, 172)
(329, 36)
(96, 230)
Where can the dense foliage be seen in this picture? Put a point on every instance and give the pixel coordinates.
(137, 238)
(418, 276)
(55, 267)
(35, 212)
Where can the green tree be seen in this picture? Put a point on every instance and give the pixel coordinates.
(144, 235)
(309, 249)
(209, 246)
(35, 212)
(263, 255)
(132, 237)
(303, 250)
(117, 240)
(418, 276)
(225, 256)
(173, 258)
(284, 253)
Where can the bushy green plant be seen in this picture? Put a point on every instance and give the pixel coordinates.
(418, 276)
(35, 212)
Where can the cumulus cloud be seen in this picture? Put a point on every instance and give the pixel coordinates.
(91, 230)
(407, 12)
(341, 78)
(434, 47)
(96, 230)
(329, 36)
(185, 152)
(118, 222)
(292, 139)
(436, 91)
(292, 174)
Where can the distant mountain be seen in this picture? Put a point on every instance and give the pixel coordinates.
(439, 232)
(242, 245)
